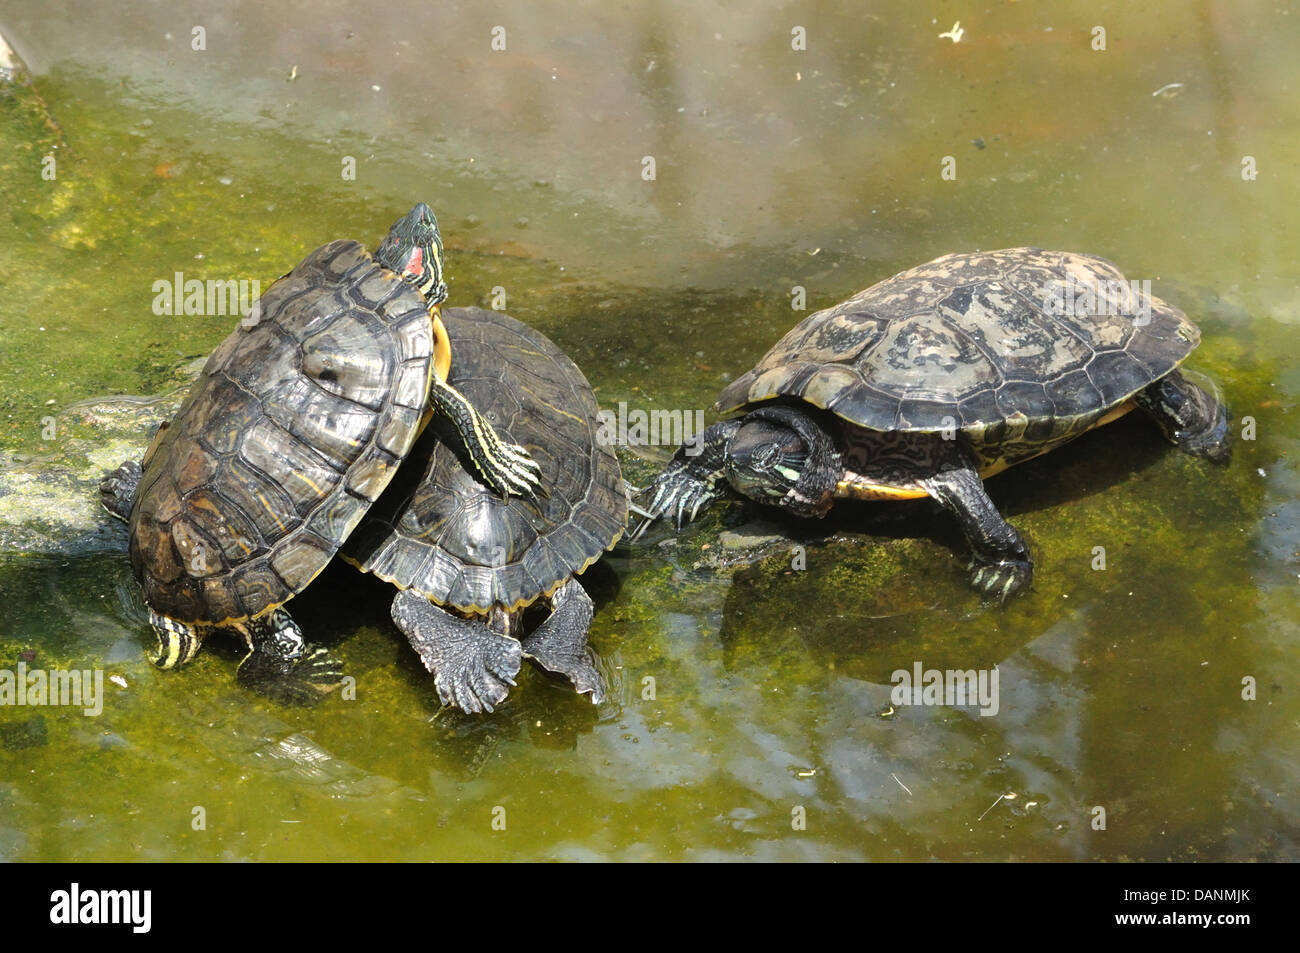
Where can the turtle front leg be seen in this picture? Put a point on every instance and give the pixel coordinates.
(505, 467)
(282, 664)
(472, 666)
(560, 643)
(117, 490)
(690, 481)
(1000, 564)
(1189, 416)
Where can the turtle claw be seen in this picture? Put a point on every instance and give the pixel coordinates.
(700, 500)
(646, 519)
(1002, 579)
(682, 502)
(639, 511)
(478, 690)
(519, 475)
(525, 466)
(689, 496)
(676, 492)
(320, 669)
(473, 667)
(652, 512)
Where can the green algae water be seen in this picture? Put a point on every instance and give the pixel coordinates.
(1146, 710)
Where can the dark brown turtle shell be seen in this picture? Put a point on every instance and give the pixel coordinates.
(972, 341)
(294, 428)
(438, 531)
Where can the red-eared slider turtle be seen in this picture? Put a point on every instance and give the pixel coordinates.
(295, 426)
(927, 382)
(469, 562)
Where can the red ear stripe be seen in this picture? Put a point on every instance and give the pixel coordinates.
(415, 264)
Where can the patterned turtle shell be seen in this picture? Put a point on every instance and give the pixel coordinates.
(987, 343)
(438, 531)
(295, 426)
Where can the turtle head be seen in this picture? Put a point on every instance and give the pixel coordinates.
(765, 460)
(782, 456)
(413, 249)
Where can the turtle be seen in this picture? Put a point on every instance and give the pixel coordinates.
(928, 382)
(296, 424)
(467, 562)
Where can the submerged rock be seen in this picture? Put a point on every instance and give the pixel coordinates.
(49, 501)
(745, 545)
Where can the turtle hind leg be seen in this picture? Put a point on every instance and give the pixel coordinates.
(117, 489)
(560, 643)
(283, 665)
(177, 641)
(1000, 564)
(1190, 416)
(473, 667)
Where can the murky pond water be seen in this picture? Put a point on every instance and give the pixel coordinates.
(1120, 688)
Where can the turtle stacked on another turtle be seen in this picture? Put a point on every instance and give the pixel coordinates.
(297, 423)
(468, 562)
(932, 380)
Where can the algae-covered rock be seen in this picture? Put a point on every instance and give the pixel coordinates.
(49, 501)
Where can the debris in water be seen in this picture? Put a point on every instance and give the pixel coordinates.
(955, 34)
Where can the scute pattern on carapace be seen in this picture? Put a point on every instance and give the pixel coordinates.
(969, 340)
(295, 426)
(438, 531)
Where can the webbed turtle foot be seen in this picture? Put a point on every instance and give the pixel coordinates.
(473, 667)
(560, 643)
(117, 489)
(1003, 578)
(283, 665)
